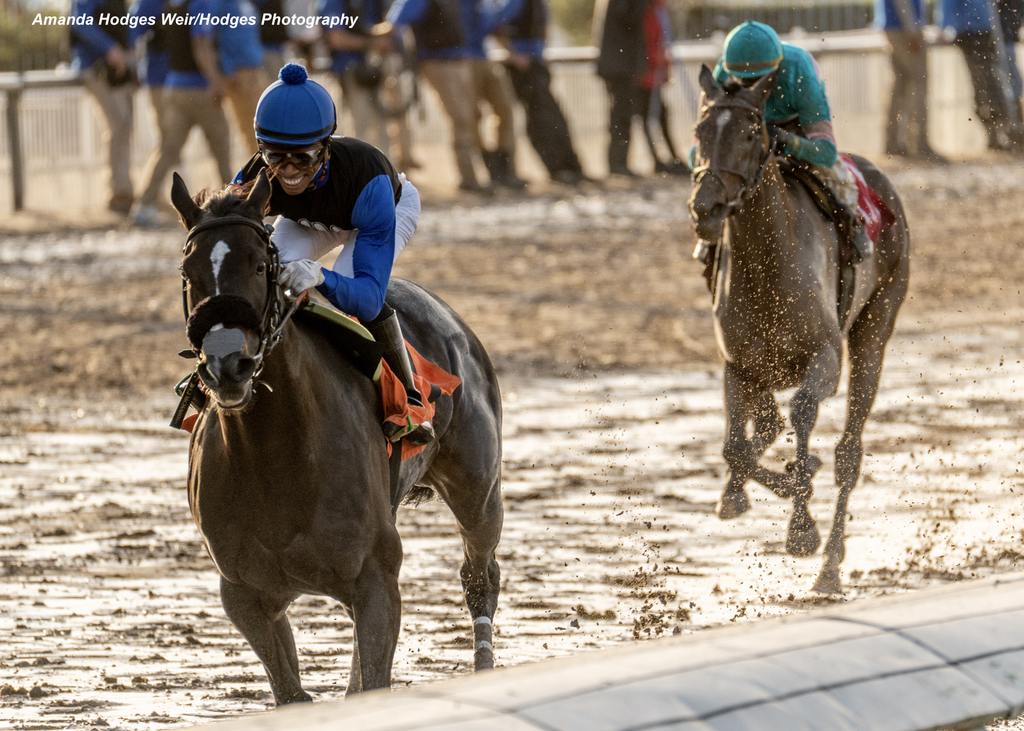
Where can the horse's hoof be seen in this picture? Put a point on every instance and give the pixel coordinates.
(300, 697)
(802, 538)
(732, 504)
(828, 582)
(483, 659)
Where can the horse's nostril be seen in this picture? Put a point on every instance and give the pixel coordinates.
(210, 371)
(246, 367)
(238, 368)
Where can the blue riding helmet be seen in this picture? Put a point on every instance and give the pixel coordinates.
(751, 50)
(294, 110)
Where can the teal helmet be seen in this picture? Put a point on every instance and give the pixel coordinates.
(751, 50)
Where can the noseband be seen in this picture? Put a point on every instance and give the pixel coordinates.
(275, 315)
(747, 186)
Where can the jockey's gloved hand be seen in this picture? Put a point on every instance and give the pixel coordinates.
(298, 276)
(783, 142)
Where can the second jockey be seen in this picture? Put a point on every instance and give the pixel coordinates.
(330, 191)
(797, 111)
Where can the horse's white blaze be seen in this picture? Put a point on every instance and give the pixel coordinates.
(720, 121)
(220, 250)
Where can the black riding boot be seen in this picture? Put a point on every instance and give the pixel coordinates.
(863, 246)
(388, 332)
(706, 253)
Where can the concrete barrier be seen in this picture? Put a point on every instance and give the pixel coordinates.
(951, 657)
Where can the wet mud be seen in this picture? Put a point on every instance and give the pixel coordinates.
(598, 324)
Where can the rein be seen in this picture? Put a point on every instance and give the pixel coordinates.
(712, 169)
(272, 321)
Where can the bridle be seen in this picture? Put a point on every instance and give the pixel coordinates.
(747, 185)
(275, 312)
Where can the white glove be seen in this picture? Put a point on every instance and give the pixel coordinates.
(298, 276)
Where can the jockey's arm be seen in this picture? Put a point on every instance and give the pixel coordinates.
(817, 145)
(362, 295)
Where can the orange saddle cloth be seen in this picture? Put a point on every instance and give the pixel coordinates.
(431, 380)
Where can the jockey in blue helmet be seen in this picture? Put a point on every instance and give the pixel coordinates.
(331, 191)
(797, 110)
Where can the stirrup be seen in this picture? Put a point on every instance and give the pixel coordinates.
(422, 433)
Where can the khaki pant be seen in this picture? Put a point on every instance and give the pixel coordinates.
(184, 109)
(115, 103)
(244, 88)
(453, 82)
(906, 131)
(360, 101)
(491, 84)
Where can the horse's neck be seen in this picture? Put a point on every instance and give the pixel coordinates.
(287, 395)
(762, 233)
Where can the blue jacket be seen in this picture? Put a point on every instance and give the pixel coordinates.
(477, 23)
(89, 43)
(155, 68)
(968, 16)
(887, 16)
(239, 47)
(369, 13)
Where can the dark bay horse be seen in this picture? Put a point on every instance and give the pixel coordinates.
(288, 484)
(775, 312)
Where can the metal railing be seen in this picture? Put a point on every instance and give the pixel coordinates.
(51, 137)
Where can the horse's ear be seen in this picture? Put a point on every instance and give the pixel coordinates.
(259, 195)
(707, 81)
(183, 203)
(764, 87)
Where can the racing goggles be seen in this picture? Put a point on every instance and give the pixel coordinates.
(303, 159)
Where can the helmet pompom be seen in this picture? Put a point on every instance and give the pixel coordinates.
(293, 74)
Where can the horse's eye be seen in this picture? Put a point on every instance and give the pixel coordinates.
(261, 269)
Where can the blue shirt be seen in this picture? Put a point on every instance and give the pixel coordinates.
(89, 43)
(887, 16)
(968, 16)
(239, 47)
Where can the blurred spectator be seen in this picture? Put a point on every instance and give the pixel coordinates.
(654, 112)
(398, 94)
(192, 97)
(358, 67)
(546, 127)
(1011, 15)
(275, 36)
(491, 85)
(240, 56)
(980, 40)
(440, 46)
(101, 53)
(906, 132)
(621, 61)
(156, 58)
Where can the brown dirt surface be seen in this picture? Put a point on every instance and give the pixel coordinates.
(599, 326)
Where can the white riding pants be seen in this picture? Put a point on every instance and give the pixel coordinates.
(295, 241)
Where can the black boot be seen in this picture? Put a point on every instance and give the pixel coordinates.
(707, 253)
(863, 246)
(388, 332)
(502, 170)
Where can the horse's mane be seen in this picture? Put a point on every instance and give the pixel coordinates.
(230, 199)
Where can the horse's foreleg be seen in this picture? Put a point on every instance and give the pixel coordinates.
(738, 451)
(262, 621)
(377, 615)
(803, 538)
(868, 338)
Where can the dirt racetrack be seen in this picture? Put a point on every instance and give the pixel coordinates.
(598, 324)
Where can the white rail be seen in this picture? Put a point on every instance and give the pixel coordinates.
(951, 657)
